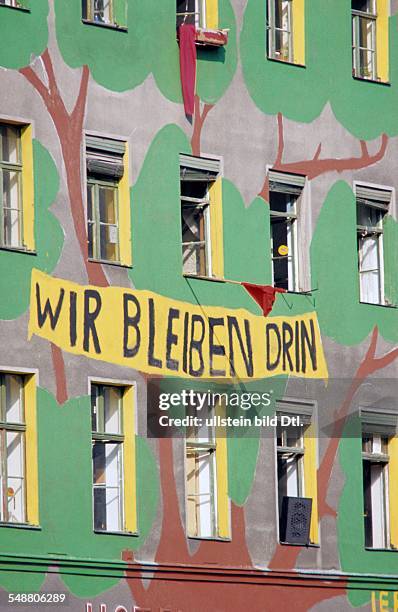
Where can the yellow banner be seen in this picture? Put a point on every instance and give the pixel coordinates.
(158, 335)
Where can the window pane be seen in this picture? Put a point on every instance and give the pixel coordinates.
(369, 216)
(194, 259)
(9, 144)
(283, 202)
(201, 492)
(112, 410)
(102, 11)
(282, 236)
(14, 398)
(108, 223)
(107, 472)
(369, 268)
(186, 6)
(366, 6)
(12, 216)
(90, 221)
(15, 477)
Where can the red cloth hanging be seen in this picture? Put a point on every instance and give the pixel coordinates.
(264, 295)
(186, 34)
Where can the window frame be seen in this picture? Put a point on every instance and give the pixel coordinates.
(128, 425)
(199, 15)
(379, 459)
(211, 167)
(16, 167)
(221, 511)
(371, 18)
(309, 458)
(97, 145)
(271, 30)
(382, 205)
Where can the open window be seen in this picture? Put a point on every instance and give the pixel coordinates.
(284, 193)
(372, 207)
(105, 12)
(201, 216)
(113, 456)
(108, 201)
(285, 31)
(296, 472)
(207, 504)
(380, 465)
(370, 39)
(203, 14)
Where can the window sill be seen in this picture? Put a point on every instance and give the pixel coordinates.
(105, 262)
(309, 545)
(134, 534)
(209, 538)
(21, 250)
(20, 526)
(384, 550)
(109, 26)
(393, 306)
(23, 9)
(213, 279)
(374, 81)
(282, 61)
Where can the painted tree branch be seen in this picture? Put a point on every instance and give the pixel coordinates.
(69, 128)
(316, 166)
(199, 119)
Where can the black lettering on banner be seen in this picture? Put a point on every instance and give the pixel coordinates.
(171, 339)
(72, 317)
(287, 341)
(297, 345)
(246, 351)
(185, 344)
(311, 346)
(196, 344)
(152, 360)
(215, 349)
(48, 310)
(268, 329)
(89, 319)
(131, 321)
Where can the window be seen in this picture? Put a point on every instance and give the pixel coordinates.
(192, 12)
(372, 206)
(370, 39)
(11, 180)
(296, 460)
(113, 454)
(375, 486)
(280, 43)
(18, 450)
(364, 38)
(12, 444)
(201, 216)
(108, 201)
(285, 30)
(380, 466)
(284, 194)
(206, 483)
(108, 12)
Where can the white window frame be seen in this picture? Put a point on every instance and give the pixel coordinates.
(379, 487)
(272, 29)
(371, 18)
(17, 428)
(199, 14)
(110, 438)
(206, 445)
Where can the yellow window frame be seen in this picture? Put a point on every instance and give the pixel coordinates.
(310, 461)
(393, 489)
(216, 229)
(298, 25)
(129, 460)
(212, 15)
(123, 189)
(382, 40)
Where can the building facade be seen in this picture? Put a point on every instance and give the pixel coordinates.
(212, 211)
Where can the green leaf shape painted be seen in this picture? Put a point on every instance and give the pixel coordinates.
(364, 108)
(334, 272)
(150, 43)
(16, 51)
(17, 266)
(64, 450)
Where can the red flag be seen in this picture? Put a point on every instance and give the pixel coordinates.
(186, 34)
(264, 295)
